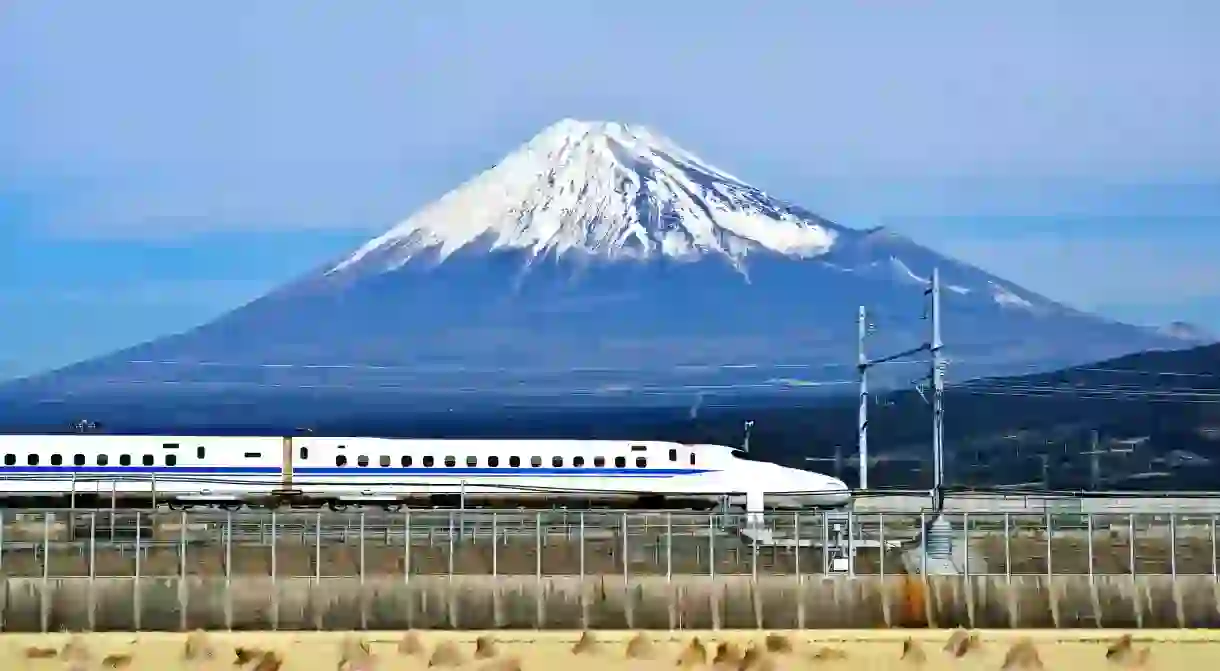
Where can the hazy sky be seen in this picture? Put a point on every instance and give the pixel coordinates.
(162, 162)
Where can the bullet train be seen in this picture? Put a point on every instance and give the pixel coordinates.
(232, 471)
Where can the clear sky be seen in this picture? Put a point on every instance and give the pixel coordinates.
(162, 162)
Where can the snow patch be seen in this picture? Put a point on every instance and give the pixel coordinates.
(603, 189)
(1007, 298)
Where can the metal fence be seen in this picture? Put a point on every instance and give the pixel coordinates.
(127, 544)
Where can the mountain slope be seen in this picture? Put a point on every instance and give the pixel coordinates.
(603, 259)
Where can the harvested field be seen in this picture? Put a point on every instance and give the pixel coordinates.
(611, 651)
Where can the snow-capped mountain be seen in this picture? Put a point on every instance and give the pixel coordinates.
(1188, 333)
(605, 190)
(603, 258)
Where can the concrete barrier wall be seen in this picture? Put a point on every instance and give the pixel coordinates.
(685, 602)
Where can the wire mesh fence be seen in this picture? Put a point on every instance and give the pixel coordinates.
(137, 570)
(78, 544)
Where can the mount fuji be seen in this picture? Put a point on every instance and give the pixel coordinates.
(601, 259)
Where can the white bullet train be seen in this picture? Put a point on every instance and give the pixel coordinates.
(305, 471)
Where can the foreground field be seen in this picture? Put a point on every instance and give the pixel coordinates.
(612, 651)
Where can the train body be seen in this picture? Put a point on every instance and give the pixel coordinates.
(230, 471)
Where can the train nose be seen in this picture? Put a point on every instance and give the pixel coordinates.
(804, 489)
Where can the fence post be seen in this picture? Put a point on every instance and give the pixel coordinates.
(966, 546)
(711, 545)
(182, 593)
(1050, 532)
(796, 545)
(825, 543)
(923, 545)
(539, 615)
(755, 529)
(1173, 545)
(495, 545)
(92, 571)
(449, 564)
(275, 575)
(580, 543)
(1008, 548)
(1089, 546)
(229, 570)
(114, 504)
(669, 547)
(44, 602)
(1131, 541)
(1215, 573)
(881, 551)
(136, 596)
(623, 525)
(538, 547)
(364, 606)
(584, 595)
(851, 543)
(406, 548)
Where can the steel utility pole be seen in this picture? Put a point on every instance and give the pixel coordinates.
(862, 412)
(936, 377)
(862, 418)
(938, 396)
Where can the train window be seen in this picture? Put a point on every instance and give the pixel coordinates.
(362, 460)
(472, 462)
(32, 460)
(620, 462)
(170, 446)
(557, 462)
(450, 462)
(199, 452)
(124, 459)
(514, 461)
(254, 455)
(673, 454)
(341, 460)
(102, 459)
(428, 461)
(406, 461)
(535, 462)
(578, 461)
(79, 460)
(171, 460)
(148, 460)
(599, 462)
(493, 461)
(641, 462)
(10, 459)
(692, 458)
(385, 461)
(639, 448)
(304, 452)
(57, 460)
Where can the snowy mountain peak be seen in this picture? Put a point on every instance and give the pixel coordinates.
(1191, 333)
(605, 190)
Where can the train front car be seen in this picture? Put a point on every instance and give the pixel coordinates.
(755, 482)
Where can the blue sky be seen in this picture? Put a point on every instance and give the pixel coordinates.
(162, 162)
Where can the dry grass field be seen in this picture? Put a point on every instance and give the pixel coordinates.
(1177, 650)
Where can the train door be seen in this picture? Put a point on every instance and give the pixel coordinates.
(286, 470)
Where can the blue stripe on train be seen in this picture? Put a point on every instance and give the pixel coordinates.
(438, 471)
